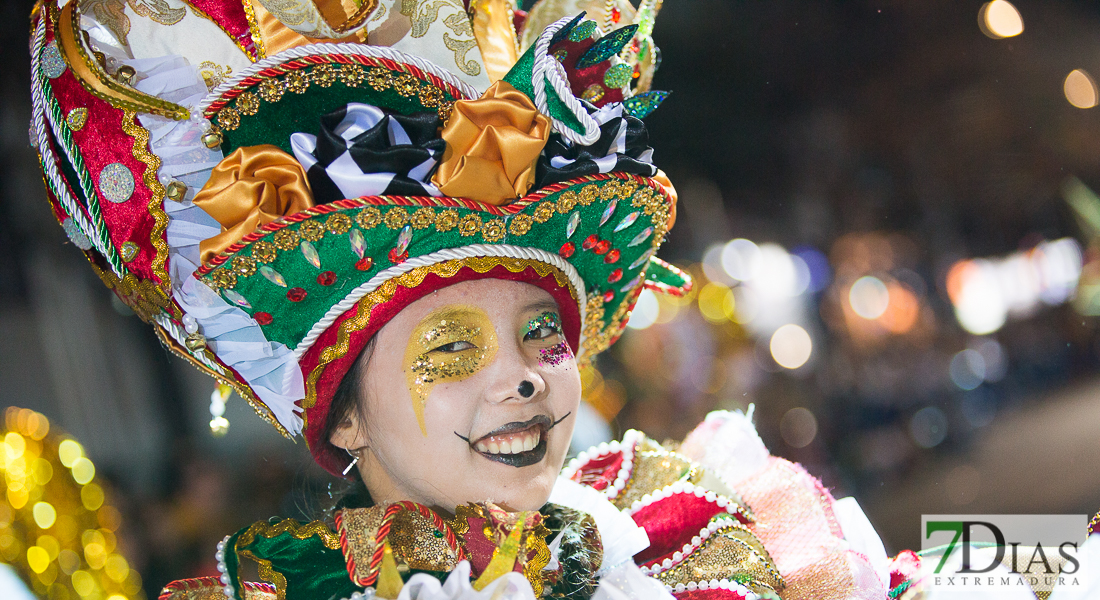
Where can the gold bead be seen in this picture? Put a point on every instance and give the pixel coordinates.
(212, 139)
(125, 74)
(176, 190)
(195, 342)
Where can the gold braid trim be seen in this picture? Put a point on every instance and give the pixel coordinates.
(156, 201)
(268, 573)
(532, 568)
(254, 30)
(291, 526)
(412, 279)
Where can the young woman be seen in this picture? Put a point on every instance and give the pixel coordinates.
(397, 228)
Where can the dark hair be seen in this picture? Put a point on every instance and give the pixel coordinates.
(345, 400)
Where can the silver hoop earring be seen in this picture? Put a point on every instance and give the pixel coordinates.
(354, 460)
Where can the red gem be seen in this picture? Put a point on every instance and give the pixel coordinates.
(615, 275)
(602, 247)
(326, 278)
(396, 258)
(567, 249)
(609, 295)
(590, 241)
(616, 14)
(296, 294)
(612, 257)
(262, 318)
(364, 264)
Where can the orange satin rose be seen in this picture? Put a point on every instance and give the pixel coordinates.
(251, 187)
(493, 144)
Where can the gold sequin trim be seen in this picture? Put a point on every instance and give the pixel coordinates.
(156, 199)
(324, 75)
(385, 292)
(295, 529)
(267, 573)
(142, 295)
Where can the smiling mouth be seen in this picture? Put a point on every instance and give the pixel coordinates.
(517, 444)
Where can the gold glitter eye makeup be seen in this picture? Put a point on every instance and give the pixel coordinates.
(546, 320)
(449, 344)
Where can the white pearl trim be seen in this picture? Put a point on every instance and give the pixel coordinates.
(690, 547)
(227, 584)
(685, 487)
(713, 584)
(627, 447)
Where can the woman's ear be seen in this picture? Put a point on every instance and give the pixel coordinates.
(349, 434)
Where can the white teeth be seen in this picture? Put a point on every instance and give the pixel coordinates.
(516, 445)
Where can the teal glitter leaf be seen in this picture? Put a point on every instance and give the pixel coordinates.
(607, 46)
(562, 33)
(641, 105)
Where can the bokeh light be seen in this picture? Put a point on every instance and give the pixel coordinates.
(928, 427)
(791, 346)
(741, 259)
(967, 369)
(716, 302)
(1000, 19)
(1080, 89)
(869, 297)
(798, 427)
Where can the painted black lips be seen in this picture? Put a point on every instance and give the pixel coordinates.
(523, 459)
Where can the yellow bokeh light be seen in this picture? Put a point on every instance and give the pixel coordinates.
(69, 451)
(14, 445)
(95, 555)
(44, 515)
(83, 583)
(83, 470)
(116, 568)
(43, 471)
(116, 597)
(91, 496)
(17, 497)
(716, 302)
(50, 545)
(1000, 19)
(791, 346)
(38, 559)
(1080, 89)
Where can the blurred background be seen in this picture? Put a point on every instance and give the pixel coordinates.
(888, 209)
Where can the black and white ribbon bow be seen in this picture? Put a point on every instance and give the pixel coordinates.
(623, 146)
(362, 150)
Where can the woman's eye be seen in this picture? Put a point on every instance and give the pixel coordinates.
(458, 346)
(540, 333)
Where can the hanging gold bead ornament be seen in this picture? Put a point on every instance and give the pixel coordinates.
(175, 191)
(219, 425)
(212, 139)
(125, 74)
(195, 342)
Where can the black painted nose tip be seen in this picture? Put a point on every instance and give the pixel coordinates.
(526, 389)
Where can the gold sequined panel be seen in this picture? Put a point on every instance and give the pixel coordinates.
(358, 527)
(655, 468)
(731, 552)
(209, 588)
(418, 544)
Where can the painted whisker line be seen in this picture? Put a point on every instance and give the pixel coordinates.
(560, 420)
(462, 437)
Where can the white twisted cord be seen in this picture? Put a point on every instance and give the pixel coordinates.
(347, 49)
(180, 336)
(478, 250)
(49, 162)
(546, 70)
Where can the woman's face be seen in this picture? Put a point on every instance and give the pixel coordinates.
(470, 395)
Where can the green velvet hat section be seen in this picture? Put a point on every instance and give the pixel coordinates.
(289, 275)
(268, 108)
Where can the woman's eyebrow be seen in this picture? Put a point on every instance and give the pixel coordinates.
(541, 305)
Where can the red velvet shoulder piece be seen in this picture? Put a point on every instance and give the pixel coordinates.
(702, 543)
(231, 17)
(209, 588)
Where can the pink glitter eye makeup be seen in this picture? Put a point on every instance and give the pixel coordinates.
(555, 355)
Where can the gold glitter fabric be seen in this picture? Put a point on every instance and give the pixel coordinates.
(655, 468)
(209, 588)
(795, 520)
(731, 552)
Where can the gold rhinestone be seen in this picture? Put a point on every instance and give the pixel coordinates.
(406, 84)
(543, 212)
(338, 223)
(212, 139)
(229, 119)
(263, 251)
(271, 90)
(430, 96)
(444, 110)
(368, 217)
(248, 103)
(286, 239)
(311, 230)
(223, 278)
(446, 220)
(125, 74)
(195, 342)
(396, 218)
(566, 202)
(593, 93)
(469, 225)
(76, 118)
(129, 251)
(380, 79)
(422, 218)
(297, 81)
(493, 231)
(176, 191)
(352, 75)
(245, 266)
(520, 224)
(324, 75)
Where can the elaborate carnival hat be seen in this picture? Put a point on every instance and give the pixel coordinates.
(268, 189)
